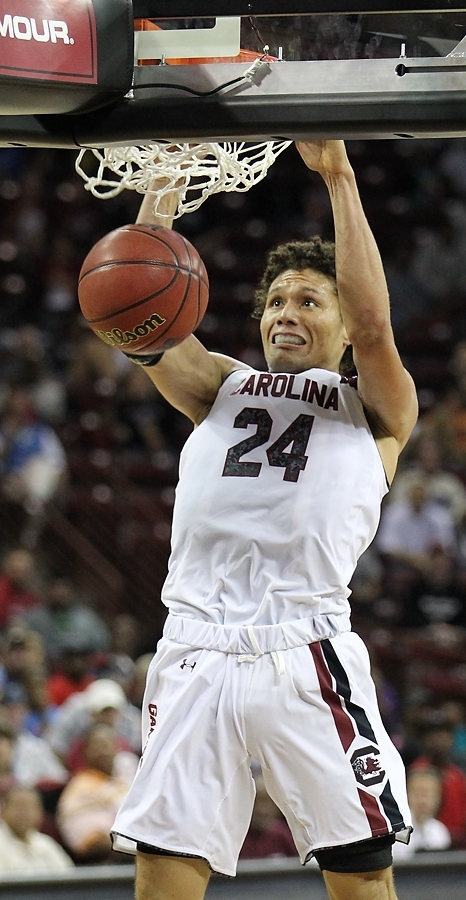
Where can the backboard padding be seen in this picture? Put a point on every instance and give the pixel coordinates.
(371, 76)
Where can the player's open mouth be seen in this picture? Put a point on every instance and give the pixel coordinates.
(288, 339)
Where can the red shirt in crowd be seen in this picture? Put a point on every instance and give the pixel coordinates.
(452, 810)
(60, 687)
(14, 601)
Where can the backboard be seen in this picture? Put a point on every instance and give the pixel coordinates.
(334, 69)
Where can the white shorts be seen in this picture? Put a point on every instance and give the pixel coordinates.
(308, 714)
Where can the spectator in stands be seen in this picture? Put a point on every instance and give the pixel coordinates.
(88, 804)
(41, 709)
(268, 835)
(455, 712)
(23, 654)
(24, 361)
(73, 670)
(103, 702)
(62, 619)
(35, 763)
(23, 848)
(424, 797)
(410, 529)
(446, 420)
(436, 741)
(18, 587)
(119, 663)
(438, 595)
(7, 748)
(443, 487)
(32, 459)
(24, 664)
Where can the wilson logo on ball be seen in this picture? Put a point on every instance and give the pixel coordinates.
(117, 338)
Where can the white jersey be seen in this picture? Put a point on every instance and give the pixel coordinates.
(279, 494)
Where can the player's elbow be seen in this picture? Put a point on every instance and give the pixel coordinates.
(370, 332)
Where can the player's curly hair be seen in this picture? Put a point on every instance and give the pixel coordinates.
(298, 255)
(314, 254)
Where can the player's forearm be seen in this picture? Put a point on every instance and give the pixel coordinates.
(362, 287)
(189, 377)
(166, 209)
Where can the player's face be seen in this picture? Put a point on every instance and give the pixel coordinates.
(301, 326)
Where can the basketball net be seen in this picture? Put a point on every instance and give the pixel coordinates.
(192, 171)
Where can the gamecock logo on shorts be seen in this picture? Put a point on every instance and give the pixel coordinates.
(366, 766)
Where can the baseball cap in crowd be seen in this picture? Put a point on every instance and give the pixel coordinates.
(104, 694)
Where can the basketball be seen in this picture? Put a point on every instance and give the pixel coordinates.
(143, 289)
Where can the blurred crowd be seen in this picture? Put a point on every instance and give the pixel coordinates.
(84, 436)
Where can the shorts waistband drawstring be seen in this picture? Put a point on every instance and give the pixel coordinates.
(249, 642)
(277, 655)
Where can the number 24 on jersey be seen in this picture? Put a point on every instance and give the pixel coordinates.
(287, 452)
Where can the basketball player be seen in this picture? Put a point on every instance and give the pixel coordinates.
(279, 493)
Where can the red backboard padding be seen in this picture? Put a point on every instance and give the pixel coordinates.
(60, 57)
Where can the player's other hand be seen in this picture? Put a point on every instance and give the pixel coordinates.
(326, 157)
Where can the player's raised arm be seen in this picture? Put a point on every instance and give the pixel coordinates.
(386, 388)
(166, 209)
(188, 376)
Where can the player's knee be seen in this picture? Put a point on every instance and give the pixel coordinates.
(364, 856)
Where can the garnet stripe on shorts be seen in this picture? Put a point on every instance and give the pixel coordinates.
(327, 665)
(343, 689)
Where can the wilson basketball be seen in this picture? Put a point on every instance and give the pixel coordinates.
(143, 289)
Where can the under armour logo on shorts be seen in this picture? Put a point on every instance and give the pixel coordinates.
(186, 665)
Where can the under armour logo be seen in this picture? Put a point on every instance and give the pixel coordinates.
(186, 665)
